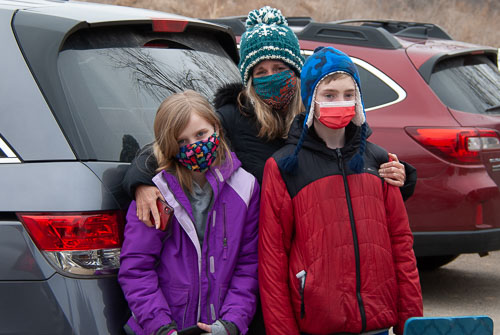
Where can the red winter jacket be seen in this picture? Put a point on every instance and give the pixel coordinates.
(348, 232)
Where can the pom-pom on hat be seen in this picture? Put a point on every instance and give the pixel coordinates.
(324, 62)
(268, 36)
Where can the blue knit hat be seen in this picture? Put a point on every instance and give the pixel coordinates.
(324, 62)
(268, 36)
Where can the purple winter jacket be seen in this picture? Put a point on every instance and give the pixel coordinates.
(166, 276)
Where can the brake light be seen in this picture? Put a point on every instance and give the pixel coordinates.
(169, 26)
(457, 145)
(78, 243)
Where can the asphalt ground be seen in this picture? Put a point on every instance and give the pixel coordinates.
(470, 285)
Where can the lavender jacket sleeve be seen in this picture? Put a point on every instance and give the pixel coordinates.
(241, 299)
(137, 276)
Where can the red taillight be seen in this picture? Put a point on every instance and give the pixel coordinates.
(74, 231)
(458, 145)
(169, 26)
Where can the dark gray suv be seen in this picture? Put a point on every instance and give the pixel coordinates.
(79, 87)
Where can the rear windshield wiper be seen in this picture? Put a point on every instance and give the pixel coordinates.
(492, 108)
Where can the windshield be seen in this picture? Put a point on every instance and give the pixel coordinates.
(470, 84)
(113, 93)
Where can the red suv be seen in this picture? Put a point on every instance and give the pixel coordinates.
(436, 103)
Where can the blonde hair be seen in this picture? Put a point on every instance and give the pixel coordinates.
(171, 118)
(272, 124)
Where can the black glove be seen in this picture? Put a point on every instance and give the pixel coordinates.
(164, 330)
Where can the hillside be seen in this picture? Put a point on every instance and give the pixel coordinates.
(466, 20)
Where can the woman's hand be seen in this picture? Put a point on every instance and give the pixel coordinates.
(145, 197)
(393, 171)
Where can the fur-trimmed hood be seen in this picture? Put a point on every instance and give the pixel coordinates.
(227, 95)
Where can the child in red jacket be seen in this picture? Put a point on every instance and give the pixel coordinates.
(335, 246)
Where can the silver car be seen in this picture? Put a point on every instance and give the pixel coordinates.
(79, 87)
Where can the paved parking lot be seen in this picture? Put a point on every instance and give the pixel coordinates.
(470, 285)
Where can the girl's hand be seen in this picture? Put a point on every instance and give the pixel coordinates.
(393, 171)
(205, 327)
(145, 197)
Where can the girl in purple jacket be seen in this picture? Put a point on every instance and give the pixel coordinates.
(202, 269)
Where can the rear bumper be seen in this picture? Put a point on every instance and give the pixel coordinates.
(62, 305)
(454, 243)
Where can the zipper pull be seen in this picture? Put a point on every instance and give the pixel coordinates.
(301, 276)
(339, 155)
(225, 248)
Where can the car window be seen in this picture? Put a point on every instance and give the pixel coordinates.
(470, 84)
(375, 91)
(378, 89)
(114, 92)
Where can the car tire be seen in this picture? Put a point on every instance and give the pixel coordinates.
(430, 263)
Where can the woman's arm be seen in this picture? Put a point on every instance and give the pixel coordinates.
(141, 171)
(137, 276)
(275, 237)
(138, 183)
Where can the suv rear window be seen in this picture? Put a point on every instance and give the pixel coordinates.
(469, 84)
(114, 81)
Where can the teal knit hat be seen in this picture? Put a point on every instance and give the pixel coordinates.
(268, 37)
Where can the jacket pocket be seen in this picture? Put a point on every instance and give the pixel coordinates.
(222, 296)
(301, 277)
(177, 299)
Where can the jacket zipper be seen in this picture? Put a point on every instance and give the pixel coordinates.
(206, 253)
(355, 241)
(224, 241)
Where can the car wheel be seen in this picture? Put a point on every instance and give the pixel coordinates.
(429, 263)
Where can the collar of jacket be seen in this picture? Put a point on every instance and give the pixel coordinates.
(228, 95)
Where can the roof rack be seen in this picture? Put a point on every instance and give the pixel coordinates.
(351, 35)
(236, 23)
(404, 28)
(368, 33)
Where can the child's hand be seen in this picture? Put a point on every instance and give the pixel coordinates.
(205, 327)
(393, 171)
(145, 198)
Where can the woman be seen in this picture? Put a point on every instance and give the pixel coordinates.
(256, 114)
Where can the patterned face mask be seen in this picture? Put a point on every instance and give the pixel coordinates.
(200, 155)
(276, 90)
